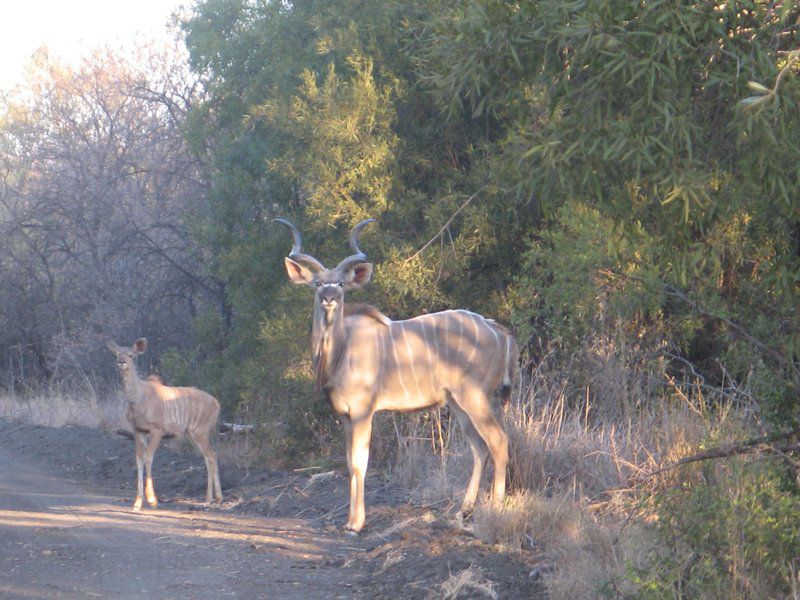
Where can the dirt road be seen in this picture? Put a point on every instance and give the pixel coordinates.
(66, 531)
(63, 539)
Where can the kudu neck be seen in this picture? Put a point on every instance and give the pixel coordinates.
(327, 341)
(131, 383)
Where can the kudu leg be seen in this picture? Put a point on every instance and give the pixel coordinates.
(140, 443)
(348, 451)
(155, 440)
(357, 433)
(479, 453)
(476, 405)
(348, 443)
(202, 442)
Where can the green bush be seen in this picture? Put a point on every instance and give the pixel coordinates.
(573, 283)
(728, 530)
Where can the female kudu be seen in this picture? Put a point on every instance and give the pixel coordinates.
(156, 410)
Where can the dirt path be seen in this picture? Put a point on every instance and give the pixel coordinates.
(62, 539)
(66, 531)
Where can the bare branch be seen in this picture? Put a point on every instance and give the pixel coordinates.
(735, 327)
(760, 444)
(445, 226)
(177, 266)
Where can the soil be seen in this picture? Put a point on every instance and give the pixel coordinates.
(67, 531)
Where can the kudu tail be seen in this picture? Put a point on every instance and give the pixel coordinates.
(510, 369)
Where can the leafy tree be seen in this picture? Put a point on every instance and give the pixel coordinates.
(646, 113)
(472, 131)
(315, 111)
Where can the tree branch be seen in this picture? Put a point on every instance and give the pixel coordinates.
(760, 444)
(174, 263)
(445, 226)
(735, 327)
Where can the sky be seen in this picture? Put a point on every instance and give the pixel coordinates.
(70, 28)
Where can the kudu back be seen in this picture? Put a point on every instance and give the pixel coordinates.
(155, 410)
(364, 362)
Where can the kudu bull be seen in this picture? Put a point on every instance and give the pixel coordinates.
(365, 362)
(157, 410)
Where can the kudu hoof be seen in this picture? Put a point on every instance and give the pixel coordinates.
(465, 514)
(463, 520)
(352, 530)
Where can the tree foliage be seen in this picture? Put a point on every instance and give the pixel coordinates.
(570, 168)
(573, 163)
(617, 180)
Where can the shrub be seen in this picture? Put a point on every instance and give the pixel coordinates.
(728, 529)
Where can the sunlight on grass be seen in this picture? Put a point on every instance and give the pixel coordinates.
(469, 583)
(578, 487)
(60, 409)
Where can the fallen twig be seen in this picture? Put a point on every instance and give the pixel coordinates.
(225, 427)
(129, 434)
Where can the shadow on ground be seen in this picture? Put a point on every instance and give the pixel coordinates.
(406, 550)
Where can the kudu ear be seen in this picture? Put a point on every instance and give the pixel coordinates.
(112, 345)
(140, 345)
(298, 273)
(359, 275)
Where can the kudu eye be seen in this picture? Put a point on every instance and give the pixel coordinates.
(341, 284)
(319, 284)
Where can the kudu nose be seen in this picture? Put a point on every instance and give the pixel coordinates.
(329, 297)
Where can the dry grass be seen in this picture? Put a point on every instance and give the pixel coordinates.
(427, 463)
(469, 583)
(576, 470)
(57, 408)
(527, 517)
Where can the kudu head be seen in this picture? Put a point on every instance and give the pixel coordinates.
(126, 355)
(329, 285)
